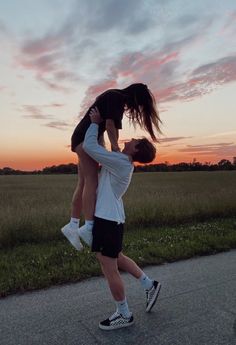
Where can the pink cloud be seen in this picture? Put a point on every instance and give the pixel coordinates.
(133, 67)
(42, 46)
(154, 68)
(41, 64)
(160, 70)
(170, 139)
(220, 150)
(44, 58)
(201, 81)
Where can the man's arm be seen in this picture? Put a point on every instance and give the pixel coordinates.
(113, 161)
(110, 160)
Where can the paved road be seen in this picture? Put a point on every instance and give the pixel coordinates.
(197, 305)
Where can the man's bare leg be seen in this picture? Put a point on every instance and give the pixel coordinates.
(152, 287)
(110, 270)
(128, 265)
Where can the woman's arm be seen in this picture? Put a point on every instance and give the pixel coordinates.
(113, 134)
(101, 141)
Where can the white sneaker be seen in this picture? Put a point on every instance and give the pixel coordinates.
(72, 236)
(86, 234)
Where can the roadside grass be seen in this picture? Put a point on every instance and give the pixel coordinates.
(34, 266)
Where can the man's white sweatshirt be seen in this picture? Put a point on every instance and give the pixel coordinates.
(114, 179)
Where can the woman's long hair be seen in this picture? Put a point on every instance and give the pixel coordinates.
(142, 108)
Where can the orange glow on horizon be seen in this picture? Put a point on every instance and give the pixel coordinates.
(36, 163)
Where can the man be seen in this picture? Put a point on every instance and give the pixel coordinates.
(107, 233)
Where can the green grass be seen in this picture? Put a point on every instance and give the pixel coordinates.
(34, 266)
(33, 208)
(169, 216)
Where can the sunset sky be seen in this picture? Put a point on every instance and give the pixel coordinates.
(57, 56)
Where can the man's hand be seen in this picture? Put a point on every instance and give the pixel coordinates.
(95, 116)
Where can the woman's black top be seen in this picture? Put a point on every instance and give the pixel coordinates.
(111, 105)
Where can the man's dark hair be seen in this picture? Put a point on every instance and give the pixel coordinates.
(146, 151)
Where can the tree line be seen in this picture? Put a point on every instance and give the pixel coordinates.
(71, 168)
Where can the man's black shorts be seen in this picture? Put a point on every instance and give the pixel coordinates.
(107, 237)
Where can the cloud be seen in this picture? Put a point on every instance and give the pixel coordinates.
(3, 28)
(37, 112)
(54, 85)
(55, 105)
(45, 45)
(170, 139)
(222, 134)
(161, 140)
(4, 31)
(54, 55)
(45, 57)
(131, 17)
(34, 112)
(41, 64)
(187, 20)
(57, 56)
(132, 68)
(201, 81)
(160, 70)
(229, 27)
(58, 125)
(98, 44)
(220, 149)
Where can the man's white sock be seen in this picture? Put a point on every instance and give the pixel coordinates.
(74, 222)
(123, 308)
(146, 282)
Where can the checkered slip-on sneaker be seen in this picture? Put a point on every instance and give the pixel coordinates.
(116, 321)
(151, 295)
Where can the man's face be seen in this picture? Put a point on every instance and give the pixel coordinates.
(131, 145)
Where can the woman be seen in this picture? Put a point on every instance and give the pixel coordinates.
(139, 104)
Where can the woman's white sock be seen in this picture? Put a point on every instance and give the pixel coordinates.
(89, 224)
(74, 222)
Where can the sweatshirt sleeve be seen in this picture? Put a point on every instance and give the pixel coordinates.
(112, 161)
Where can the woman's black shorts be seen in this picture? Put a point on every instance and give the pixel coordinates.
(107, 237)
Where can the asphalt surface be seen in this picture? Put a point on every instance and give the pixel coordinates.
(196, 305)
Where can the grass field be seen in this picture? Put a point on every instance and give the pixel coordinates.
(34, 208)
(170, 216)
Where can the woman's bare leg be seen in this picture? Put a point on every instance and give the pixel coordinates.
(89, 169)
(76, 205)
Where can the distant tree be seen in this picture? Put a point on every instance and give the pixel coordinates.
(7, 171)
(225, 164)
(71, 168)
(61, 169)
